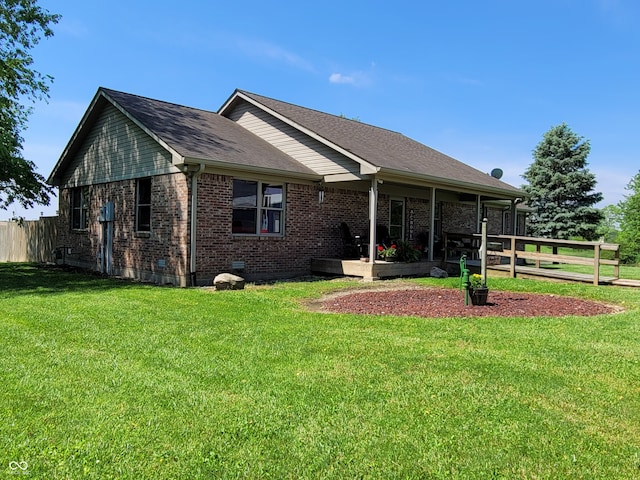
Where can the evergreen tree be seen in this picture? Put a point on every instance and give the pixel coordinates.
(629, 236)
(561, 187)
(22, 22)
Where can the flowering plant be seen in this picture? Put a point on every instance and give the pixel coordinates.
(400, 251)
(388, 253)
(475, 281)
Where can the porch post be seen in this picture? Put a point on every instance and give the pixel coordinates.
(432, 228)
(514, 217)
(373, 210)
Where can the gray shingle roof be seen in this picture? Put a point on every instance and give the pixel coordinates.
(205, 135)
(389, 150)
(200, 135)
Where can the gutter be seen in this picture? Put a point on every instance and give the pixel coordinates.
(193, 221)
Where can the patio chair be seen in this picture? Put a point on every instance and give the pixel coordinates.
(351, 245)
(382, 236)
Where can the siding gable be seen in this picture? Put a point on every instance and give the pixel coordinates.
(313, 154)
(116, 149)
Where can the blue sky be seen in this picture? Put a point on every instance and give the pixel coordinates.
(481, 81)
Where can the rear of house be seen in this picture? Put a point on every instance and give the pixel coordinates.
(171, 194)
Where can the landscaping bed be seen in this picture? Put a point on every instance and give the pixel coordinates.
(447, 302)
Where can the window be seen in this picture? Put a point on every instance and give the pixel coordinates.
(257, 208)
(396, 218)
(80, 208)
(143, 205)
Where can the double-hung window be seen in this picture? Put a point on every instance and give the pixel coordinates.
(143, 205)
(80, 208)
(258, 208)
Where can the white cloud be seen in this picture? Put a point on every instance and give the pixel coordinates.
(357, 79)
(340, 78)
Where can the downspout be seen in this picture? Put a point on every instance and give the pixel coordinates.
(194, 223)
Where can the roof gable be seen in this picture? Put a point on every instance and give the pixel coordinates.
(189, 134)
(385, 151)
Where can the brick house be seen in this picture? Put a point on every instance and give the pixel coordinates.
(171, 194)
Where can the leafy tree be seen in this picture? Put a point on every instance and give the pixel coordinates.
(609, 227)
(22, 23)
(629, 237)
(561, 187)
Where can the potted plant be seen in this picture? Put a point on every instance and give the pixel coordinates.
(478, 290)
(389, 254)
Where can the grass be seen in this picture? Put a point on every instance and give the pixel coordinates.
(109, 379)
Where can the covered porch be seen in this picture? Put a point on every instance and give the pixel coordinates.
(414, 212)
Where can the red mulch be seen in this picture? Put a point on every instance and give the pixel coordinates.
(449, 303)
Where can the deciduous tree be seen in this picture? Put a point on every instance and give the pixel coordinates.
(629, 237)
(609, 228)
(22, 24)
(561, 188)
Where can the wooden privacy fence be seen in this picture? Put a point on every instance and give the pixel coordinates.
(31, 241)
(521, 261)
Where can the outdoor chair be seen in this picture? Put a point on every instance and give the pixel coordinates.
(382, 236)
(351, 245)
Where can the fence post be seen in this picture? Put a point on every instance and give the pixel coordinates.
(512, 266)
(596, 264)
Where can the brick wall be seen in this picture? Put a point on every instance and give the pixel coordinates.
(311, 230)
(159, 256)
(459, 218)
(494, 220)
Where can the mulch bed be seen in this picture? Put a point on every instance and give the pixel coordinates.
(449, 303)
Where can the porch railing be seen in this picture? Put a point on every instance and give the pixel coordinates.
(514, 248)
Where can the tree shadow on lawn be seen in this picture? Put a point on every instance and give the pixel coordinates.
(30, 278)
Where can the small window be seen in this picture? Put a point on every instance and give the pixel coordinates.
(257, 208)
(143, 205)
(80, 208)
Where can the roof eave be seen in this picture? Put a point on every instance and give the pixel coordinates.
(222, 165)
(439, 182)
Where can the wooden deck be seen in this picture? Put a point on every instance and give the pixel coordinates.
(371, 271)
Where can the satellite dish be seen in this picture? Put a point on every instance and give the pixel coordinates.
(496, 173)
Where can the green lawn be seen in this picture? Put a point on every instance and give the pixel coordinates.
(107, 379)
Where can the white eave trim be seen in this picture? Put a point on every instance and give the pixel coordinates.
(342, 177)
(443, 183)
(227, 168)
